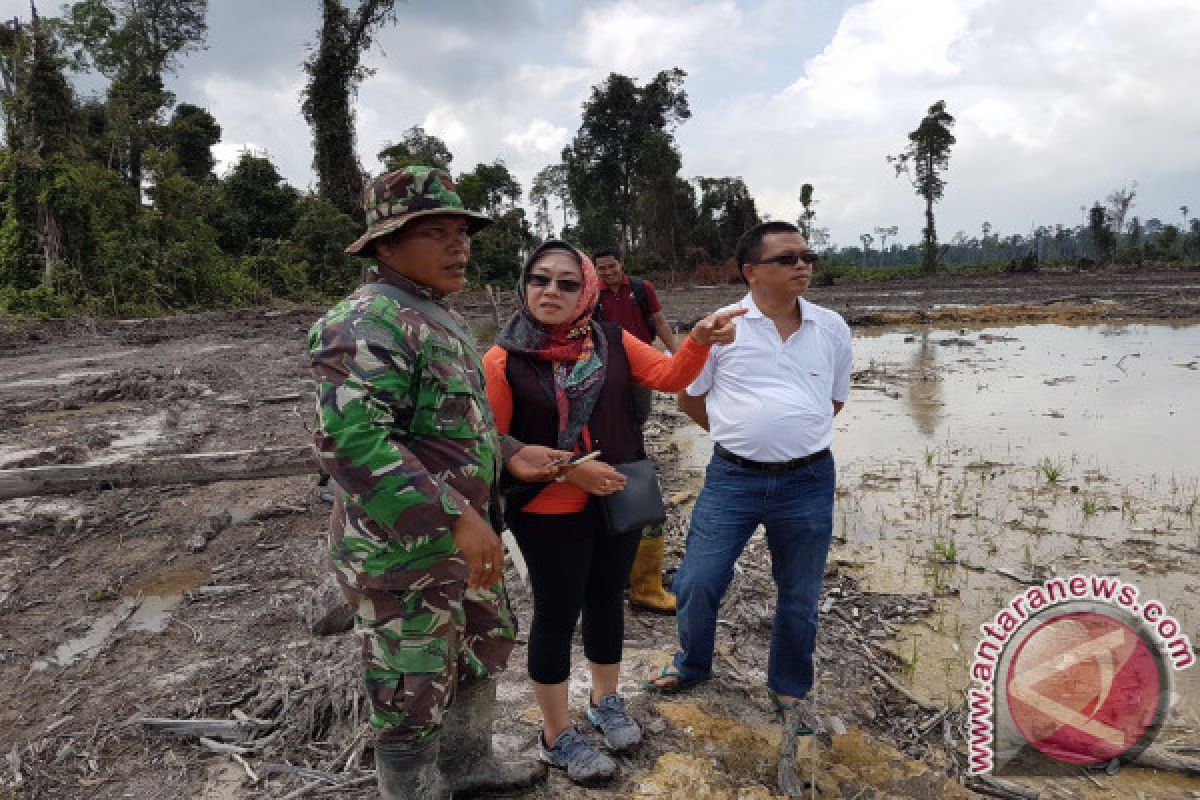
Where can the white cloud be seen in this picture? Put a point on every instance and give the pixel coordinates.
(639, 38)
(539, 138)
(262, 114)
(1057, 103)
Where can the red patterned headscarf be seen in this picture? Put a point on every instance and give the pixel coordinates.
(577, 348)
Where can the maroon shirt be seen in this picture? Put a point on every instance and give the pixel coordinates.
(622, 308)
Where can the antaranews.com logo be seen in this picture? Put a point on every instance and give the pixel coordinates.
(1074, 671)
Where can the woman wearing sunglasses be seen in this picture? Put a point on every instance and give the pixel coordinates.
(560, 378)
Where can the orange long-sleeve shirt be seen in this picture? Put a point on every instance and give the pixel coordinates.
(648, 366)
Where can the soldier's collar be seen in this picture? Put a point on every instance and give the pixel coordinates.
(377, 273)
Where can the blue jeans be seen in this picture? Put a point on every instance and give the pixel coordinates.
(796, 508)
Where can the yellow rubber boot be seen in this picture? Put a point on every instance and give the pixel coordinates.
(645, 579)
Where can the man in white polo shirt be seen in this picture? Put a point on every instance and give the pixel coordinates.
(768, 401)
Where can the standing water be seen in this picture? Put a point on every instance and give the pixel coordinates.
(972, 463)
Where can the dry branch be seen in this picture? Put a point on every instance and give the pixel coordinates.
(239, 465)
(220, 729)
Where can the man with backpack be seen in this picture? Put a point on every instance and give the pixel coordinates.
(632, 303)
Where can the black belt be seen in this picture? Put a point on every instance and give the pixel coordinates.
(777, 466)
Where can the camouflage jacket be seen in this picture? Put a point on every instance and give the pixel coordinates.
(403, 423)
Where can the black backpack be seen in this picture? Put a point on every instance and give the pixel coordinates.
(639, 296)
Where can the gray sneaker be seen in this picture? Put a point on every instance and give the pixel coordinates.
(575, 753)
(620, 731)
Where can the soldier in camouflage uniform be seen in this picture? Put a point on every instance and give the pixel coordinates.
(405, 431)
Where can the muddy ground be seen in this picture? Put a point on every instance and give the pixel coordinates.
(195, 601)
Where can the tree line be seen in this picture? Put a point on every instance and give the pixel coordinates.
(110, 204)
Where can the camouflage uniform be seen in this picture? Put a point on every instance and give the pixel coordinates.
(405, 430)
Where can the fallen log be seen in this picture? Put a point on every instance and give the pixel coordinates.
(238, 465)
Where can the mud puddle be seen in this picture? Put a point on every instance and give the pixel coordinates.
(145, 606)
(974, 462)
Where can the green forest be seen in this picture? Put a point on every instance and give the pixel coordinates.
(110, 204)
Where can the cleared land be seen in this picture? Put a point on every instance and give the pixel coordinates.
(195, 601)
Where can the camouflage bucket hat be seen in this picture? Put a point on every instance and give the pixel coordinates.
(395, 198)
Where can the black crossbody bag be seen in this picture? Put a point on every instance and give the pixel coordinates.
(639, 504)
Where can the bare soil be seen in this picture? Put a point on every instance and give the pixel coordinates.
(196, 601)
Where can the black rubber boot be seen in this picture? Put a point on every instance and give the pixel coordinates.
(468, 764)
(407, 773)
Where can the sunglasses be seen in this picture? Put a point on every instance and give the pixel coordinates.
(565, 285)
(808, 257)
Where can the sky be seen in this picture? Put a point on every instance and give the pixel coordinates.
(1057, 103)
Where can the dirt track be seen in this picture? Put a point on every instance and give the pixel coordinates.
(195, 601)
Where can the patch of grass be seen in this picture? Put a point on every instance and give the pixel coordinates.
(101, 594)
(1051, 472)
(908, 666)
(1088, 506)
(946, 551)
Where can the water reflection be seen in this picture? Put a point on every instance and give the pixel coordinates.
(969, 461)
(924, 386)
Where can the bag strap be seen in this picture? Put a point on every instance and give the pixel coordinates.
(407, 299)
(639, 296)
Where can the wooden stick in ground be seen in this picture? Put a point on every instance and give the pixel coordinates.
(238, 465)
(998, 787)
(890, 681)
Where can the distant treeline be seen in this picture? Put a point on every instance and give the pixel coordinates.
(110, 205)
(1096, 243)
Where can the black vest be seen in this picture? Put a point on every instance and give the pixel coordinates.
(613, 427)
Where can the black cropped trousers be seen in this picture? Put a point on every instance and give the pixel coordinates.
(576, 569)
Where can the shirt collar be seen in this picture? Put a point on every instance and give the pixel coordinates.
(755, 312)
(604, 287)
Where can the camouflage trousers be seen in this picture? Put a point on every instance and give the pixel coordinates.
(422, 632)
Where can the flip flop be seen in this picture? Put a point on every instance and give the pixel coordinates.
(682, 685)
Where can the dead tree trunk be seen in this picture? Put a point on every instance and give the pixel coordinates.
(240, 465)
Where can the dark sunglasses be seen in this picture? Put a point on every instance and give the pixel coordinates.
(566, 285)
(808, 257)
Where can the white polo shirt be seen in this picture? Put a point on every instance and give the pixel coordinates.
(771, 400)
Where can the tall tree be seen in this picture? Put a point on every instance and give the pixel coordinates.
(625, 146)
(924, 160)
(727, 210)
(1104, 240)
(191, 133)
(866, 239)
(805, 222)
(135, 43)
(1119, 203)
(490, 188)
(38, 108)
(252, 202)
(550, 182)
(335, 71)
(884, 232)
(416, 149)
